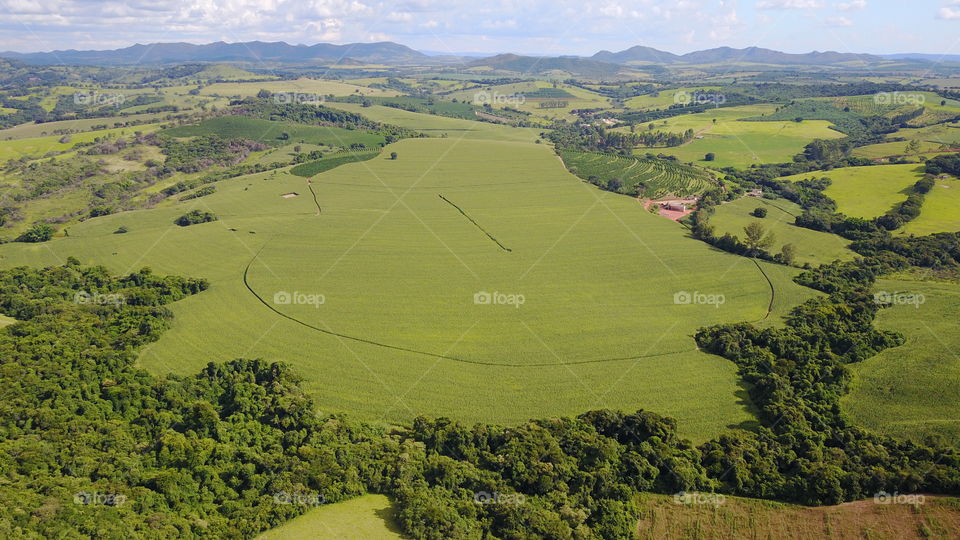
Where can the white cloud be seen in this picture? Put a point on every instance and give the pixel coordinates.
(853, 5)
(839, 21)
(790, 4)
(949, 13)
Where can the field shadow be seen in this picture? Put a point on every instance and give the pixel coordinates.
(743, 400)
(388, 515)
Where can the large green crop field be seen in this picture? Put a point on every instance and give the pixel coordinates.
(867, 192)
(399, 332)
(813, 247)
(913, 390)
(365, 518)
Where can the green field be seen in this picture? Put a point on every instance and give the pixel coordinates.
(302, 86)
(867, 192)
(813, 247)
(599, 326)
(663, 99)
(266, 131)
(365, 518)
(882, 150)
(6, 321)
(40, 146)
(656, 178)
(941, 210)
(913, 390)
(29, 130)
(741, 144)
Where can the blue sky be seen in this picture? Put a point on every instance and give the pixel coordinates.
(527, 26)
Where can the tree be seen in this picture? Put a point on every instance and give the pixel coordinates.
(913, 147)
(393, 156)
(788, 254)
(284, 136)
(710, 156)
(264, 93)
(40, 232)
(614, 184)
(757, 238)
(759, 212)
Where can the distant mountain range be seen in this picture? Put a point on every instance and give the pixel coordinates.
(603, 62)
(252, 51)
(720, 55)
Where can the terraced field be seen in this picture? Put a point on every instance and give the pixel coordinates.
(655, 178)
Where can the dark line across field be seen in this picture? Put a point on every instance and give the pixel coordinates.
(773, 291)
(490, 236)
(246, 283)
(314, 193)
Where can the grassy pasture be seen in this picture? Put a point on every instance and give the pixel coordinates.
(438, 126)
(6, 321)
(741, 144)
(599, 326)
(302, 85)
(266, 131)
(31, 130)
(913, 390)
(40, 146)
(883, 150)
(940, 134)
(813, 247)
(663, 99)
(941, 210)
(867, 192)
(365, 518)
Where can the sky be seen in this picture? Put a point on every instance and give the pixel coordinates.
(542, 27)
